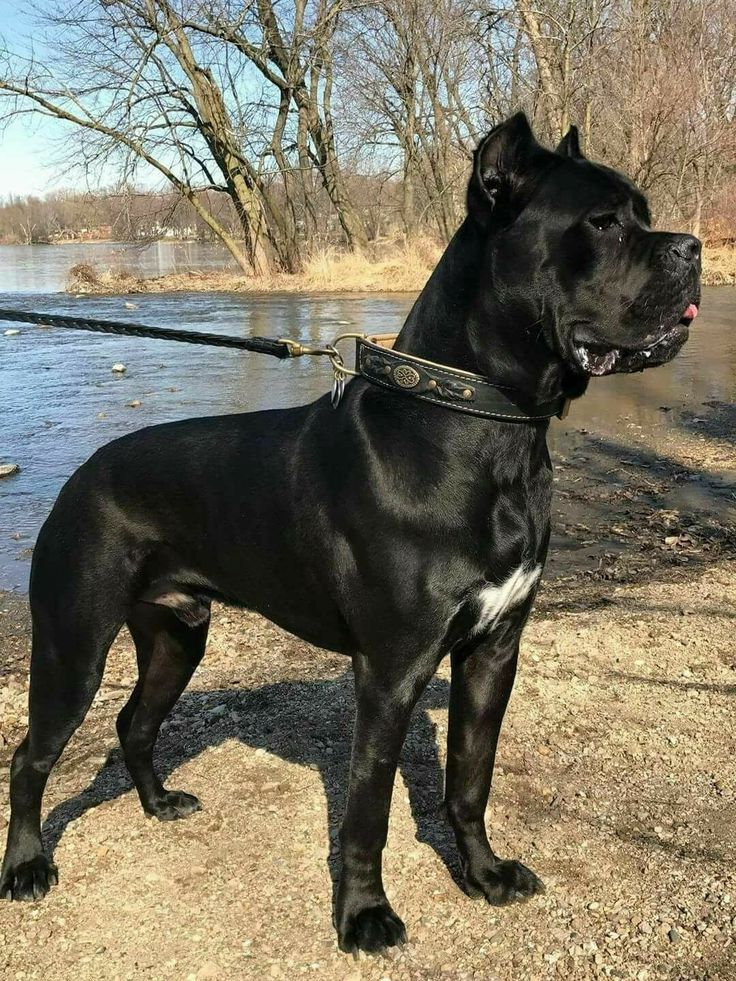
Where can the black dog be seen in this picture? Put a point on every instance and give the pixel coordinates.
(389, 529)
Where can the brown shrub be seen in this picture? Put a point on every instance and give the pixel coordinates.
(83, 273)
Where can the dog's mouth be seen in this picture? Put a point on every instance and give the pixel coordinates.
(602, 359)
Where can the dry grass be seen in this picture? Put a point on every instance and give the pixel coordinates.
(719, 265)
(402, 269)
(393, 268)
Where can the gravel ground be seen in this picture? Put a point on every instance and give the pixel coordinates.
(615, 781)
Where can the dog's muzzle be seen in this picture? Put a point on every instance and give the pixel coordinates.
(657, 348)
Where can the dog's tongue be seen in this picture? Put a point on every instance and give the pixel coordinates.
(691, 312)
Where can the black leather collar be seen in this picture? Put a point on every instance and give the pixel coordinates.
(449, 387)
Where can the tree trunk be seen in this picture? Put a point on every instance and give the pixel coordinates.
(231, 244)
(697, 219)
(549, 89)
(326, 158)
(263, 227)
(288, 60)
(306, 179)
(291, 243)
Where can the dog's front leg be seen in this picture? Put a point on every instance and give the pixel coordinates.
(479, 692)
(385, 695)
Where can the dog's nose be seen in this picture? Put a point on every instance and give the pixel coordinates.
(685, 247)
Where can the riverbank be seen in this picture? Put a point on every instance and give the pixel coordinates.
(402, 269)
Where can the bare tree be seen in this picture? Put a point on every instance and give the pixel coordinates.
(291, 45)
(126, 74)
(412, 67)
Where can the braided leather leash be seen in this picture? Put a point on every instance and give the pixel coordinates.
(263, 345)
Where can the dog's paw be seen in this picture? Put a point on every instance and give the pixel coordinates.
(372, 929)
(174, 804)
(505, 882)
(29, 880)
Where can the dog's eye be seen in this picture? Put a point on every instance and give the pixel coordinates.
(603, 222)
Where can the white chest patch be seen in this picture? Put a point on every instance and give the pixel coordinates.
(495, 601)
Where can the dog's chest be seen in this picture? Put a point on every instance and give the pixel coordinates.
(489, 606)
(494, 601)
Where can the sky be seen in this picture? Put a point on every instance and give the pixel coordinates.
(32, 148)
(25, 144)
(23, 169)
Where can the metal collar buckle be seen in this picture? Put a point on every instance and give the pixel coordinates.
(340, 371)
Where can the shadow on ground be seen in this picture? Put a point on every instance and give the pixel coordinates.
(308, 723)
(676, 683)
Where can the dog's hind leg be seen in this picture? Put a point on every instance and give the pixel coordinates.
(68, 657)
(168, 652)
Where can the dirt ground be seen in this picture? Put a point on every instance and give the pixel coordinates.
(615, 780)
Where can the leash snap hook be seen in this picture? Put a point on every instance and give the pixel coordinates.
(339, 376)
(340, 371)
(298, 350)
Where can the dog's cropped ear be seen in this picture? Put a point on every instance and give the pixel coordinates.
(569, 145)
(504, 165)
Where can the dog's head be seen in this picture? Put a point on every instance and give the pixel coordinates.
(572, 252)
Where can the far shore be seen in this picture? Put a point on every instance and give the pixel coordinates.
(195, 281)
(403, 269)
(397, 268)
